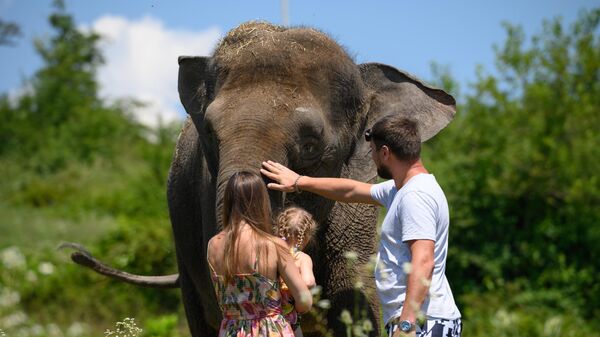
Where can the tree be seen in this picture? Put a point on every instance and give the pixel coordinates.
(59, 116)
(520, 164)
(8, 31)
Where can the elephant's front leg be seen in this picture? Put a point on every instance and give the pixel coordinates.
(351, 241)
(187, 195)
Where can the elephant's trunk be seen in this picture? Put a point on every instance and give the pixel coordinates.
(245, 157)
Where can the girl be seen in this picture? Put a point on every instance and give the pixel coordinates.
(297, 227)
(246, 261)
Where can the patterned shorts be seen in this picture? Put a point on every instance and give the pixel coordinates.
(432, 328)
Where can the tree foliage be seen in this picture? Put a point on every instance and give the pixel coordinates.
(521, 170)
(8, 31)
(59, 115)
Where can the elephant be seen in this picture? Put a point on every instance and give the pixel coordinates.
(295, 96)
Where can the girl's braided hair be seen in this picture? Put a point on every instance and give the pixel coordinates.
(296, 225)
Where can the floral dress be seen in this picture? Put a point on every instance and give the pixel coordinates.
(287, 300)
(251, 306)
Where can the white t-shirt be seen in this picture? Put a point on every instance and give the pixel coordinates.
(419, 210)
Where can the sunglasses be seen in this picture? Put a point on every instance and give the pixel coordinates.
(369, 135)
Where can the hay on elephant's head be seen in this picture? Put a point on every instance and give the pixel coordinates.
(259, 37)
(245, 35)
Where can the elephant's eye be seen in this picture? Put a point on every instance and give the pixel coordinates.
(210, 144)
(310, 149)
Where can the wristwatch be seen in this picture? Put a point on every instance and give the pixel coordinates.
(407, 326)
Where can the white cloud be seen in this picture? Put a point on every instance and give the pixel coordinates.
(141, 62)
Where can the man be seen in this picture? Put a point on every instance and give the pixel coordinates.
(414, 236)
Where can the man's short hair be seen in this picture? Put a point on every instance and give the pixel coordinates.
(400, 134)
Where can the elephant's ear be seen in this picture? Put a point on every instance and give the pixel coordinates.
(194, 84)
(396, 92)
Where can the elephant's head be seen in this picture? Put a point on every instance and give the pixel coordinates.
(296, 97)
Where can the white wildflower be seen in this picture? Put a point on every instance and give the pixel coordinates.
(359, 284)
(421, 316)
(367, 325)
(351, 255)
(345, 317)
(9, 298)
(407, 267)
(46, 268)
(503, 319)
(358, 331)
(371, 264)
(36, 330)
(127, 328)
(12, 258)
(382, 269)
(553, 326)
(53, 330)
(373, 259)
(316, 290)
(305, 296)
(14, 319)
(324, 304)
(76, 329)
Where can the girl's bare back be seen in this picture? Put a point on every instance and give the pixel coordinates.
(247, 254)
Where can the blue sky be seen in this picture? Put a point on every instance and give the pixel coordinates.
(147, 35)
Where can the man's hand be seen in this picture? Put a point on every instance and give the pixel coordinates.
(338, 189)
(284, 177)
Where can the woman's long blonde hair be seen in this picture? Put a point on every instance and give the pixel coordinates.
(246, 201)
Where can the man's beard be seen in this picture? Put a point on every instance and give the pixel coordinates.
(383, 172)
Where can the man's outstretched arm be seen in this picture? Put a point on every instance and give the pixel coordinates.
(338, 189)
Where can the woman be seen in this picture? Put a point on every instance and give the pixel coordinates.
(246, 261)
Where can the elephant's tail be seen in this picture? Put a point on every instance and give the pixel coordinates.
(83, 257)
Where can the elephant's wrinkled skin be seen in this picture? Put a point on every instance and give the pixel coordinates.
(293, 96)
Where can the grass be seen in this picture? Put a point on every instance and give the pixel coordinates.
(37, 229)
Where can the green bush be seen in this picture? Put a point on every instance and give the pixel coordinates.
(519, 166)
(163, 326)
(504, 314)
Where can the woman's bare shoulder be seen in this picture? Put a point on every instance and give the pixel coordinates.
(217, 241)
(218, 237)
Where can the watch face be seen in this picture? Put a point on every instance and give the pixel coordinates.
(405, 326)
